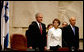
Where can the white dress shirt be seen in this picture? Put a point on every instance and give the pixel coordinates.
(71, 26)
(54, 37)
(72, 29)
(38, 24)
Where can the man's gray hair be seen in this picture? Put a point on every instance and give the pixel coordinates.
(37, 14)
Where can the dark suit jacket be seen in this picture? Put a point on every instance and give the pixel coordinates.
(68, 37)
(34, 37)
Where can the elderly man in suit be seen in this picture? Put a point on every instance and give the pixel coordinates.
(36, 34)
(71, 35)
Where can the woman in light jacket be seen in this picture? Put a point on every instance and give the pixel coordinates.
(54, 40)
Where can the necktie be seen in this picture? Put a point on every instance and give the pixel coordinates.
(74, 30)
(40, 28)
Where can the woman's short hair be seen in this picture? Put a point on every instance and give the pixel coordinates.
(56, 20)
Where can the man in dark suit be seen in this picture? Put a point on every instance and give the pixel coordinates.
(71, 35)
(36, 34)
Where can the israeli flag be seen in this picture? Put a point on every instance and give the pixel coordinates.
(5, 25)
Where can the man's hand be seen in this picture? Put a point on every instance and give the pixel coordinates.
(45, 48)
(30, 47)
